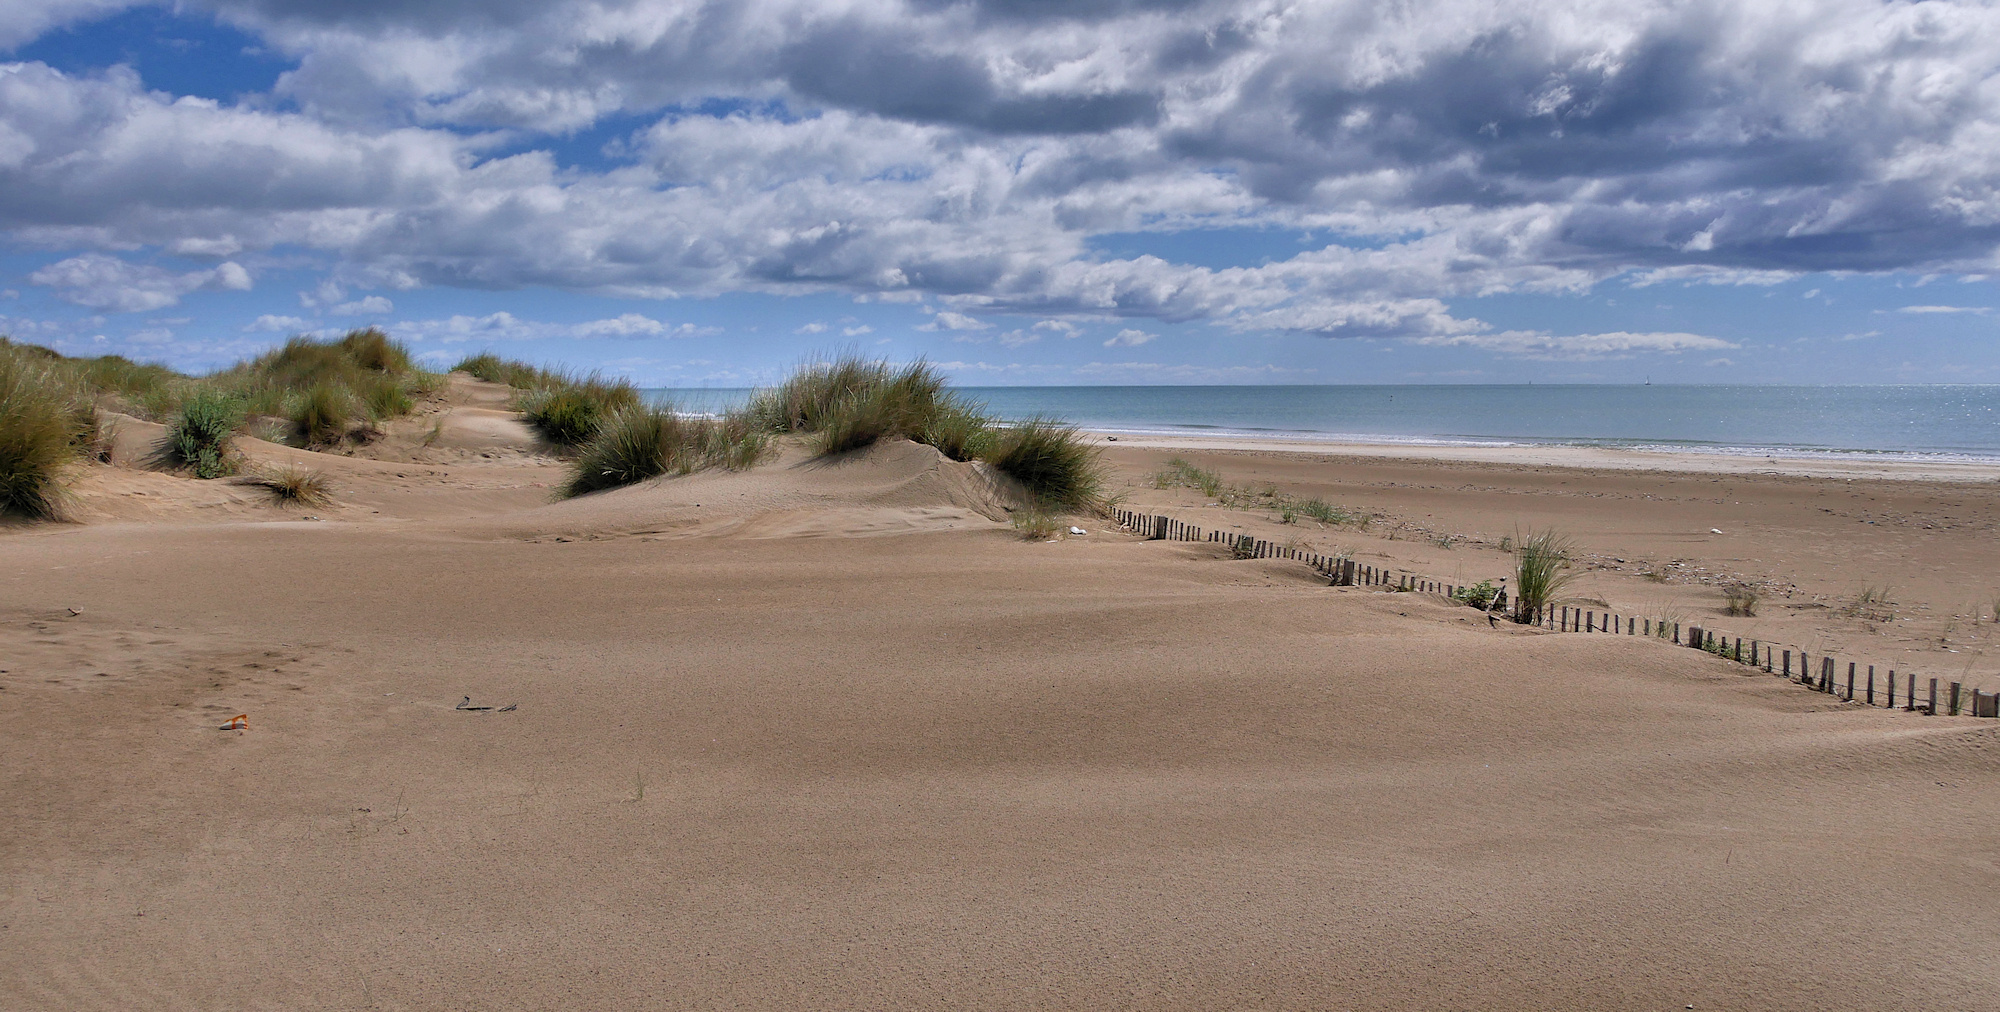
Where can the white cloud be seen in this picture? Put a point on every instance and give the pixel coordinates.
(1129, 339)
(1534, 344)
(372, 304)
(1978, 310)
(113, 285)
(857, 330)
(278, 324)
(1017, 338)
(815, 327)
(948, 320)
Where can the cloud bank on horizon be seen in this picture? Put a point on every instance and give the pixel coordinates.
(972, 157)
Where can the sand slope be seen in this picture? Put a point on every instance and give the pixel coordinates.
(765, 759)
(896, 487)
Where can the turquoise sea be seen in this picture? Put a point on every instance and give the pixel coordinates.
(1927, 422)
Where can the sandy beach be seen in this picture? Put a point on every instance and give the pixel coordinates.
(830, 735)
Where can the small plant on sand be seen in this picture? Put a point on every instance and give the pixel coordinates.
(1036, 523)
(1479, 595)
(1180, 472)
(1540, 572)
(198, 439)
(1871, 603)
(292, 485)
(45, 422)
(1324, 512)
(1740, 600)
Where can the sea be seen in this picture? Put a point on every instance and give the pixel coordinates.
(1917, 422)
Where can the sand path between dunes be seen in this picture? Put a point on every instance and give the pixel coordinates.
(941, 770)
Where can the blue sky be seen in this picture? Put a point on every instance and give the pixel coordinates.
(1102, 192)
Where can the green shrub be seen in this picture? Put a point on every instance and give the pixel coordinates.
(322, 415)
(1180, 472)
(1479, 595)
(42, 429)
(1540, 572)
(198, 438)
(1053, 461)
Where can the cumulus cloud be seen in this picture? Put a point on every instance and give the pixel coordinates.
(948, 320)
(372, 304)
(964, 154)
(1129, 339)
(277, 324)
(117, 286)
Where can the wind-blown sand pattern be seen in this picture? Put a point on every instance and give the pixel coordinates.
(835, 737)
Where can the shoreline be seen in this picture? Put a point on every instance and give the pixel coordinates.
(1580, 457)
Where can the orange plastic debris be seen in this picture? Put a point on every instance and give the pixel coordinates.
(239, 722)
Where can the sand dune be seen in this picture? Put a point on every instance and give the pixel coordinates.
(764, 757)
(896, 487)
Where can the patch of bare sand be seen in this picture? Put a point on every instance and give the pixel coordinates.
(944, 770)
(894, 487)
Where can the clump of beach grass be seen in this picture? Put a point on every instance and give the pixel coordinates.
(1179, 471)
(46, 422)
(1036, 523)
(1053, 461)
(198, 438)
(322, 414)
(494, 369)
(292, 485)
(1540, 571)
(638, 442)
(1740, 600)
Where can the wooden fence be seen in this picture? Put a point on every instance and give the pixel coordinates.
(1859, 686)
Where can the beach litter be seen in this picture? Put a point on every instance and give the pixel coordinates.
(240, 722)
(1715, 530)
(466, 704)
(1078, 530)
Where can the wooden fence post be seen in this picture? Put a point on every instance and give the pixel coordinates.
(1788, 664)
(1871, 685)
(1892, 688)
(1933, 707)
(1952, 707)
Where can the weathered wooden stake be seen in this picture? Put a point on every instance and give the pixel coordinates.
(1788, 664)
(1871, 685)
(1892, 688)
(1953, 706)
(1850, 681)
(1933, 709)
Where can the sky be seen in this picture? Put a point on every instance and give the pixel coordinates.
(1020, 191)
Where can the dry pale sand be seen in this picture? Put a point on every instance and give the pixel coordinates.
(842, 741)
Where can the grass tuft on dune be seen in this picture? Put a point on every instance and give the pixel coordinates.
(46, 423)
